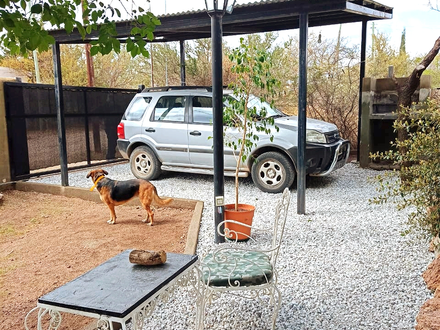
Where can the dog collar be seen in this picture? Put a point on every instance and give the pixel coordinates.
(96, 182)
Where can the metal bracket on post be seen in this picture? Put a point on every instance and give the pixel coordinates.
(219, 201)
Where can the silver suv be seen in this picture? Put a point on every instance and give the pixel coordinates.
(169, 129)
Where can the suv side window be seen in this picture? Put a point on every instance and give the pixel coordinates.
(170, 108)
(202, 110)
(137, 109)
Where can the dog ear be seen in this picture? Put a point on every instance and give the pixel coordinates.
(88, 175)
(105, 172)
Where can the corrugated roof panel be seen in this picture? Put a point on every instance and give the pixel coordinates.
(252, 17)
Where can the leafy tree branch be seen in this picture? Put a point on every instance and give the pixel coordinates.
(24, 25)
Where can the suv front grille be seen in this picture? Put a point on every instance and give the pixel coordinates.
(332, 136)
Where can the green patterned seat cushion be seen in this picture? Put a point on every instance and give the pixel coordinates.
(236, 268)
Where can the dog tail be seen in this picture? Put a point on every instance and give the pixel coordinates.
(160, 201)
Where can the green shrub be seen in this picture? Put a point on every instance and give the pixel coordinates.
(416, 185)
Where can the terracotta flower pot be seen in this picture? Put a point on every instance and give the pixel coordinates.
(245, 214)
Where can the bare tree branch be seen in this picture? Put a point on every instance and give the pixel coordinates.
(432, 6)
(407, 89)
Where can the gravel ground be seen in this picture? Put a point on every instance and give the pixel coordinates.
(343, 265)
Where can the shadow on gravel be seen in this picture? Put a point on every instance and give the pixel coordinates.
(315, 182)
(312, 182)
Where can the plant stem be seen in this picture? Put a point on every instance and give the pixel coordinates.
(240, 154)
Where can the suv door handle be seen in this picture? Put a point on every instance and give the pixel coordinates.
(150, 129)
(196, 133)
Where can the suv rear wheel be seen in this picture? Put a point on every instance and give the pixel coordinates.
(272, 172)
(144, 163)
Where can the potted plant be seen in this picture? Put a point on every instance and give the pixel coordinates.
(253, 84)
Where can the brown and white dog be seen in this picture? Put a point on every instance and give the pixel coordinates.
(114, 193)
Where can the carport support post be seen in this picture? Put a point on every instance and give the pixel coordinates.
(182, 63)
(361, 78)
(59, 103)
(302, 115)
(217, 105)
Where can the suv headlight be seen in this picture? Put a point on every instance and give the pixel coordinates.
(315, 136)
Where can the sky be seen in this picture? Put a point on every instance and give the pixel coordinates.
(422, 24)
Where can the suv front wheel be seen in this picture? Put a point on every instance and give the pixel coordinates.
(272, 172)
(144, 163)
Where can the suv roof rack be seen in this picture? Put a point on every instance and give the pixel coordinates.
(172, 88)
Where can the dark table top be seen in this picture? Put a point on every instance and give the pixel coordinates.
(116, 287)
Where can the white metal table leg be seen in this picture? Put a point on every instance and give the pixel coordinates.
(54, 322)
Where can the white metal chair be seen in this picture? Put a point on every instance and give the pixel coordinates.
(242, 269)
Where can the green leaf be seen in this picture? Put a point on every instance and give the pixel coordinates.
(37, 9)
(49, 39)
(68, 25)
(135, 31)
(94, 16)
(134, 51)
(129, 45)
(146, 20)
(8, 22)
(81, 30)
(116, 45)
(107, 48)
(47, 15)
(34, 41)
(14, 49)
(145, 52)
(94, 50)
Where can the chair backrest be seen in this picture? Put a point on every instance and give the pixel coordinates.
(281, 211)
(277, 232)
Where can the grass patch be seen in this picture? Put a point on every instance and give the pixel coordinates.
(8, 230)
(5, 269)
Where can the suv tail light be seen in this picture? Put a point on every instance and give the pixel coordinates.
(121, 131)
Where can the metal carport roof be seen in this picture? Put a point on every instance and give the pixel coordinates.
(263, 16)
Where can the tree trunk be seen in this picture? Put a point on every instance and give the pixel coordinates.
(407, 89)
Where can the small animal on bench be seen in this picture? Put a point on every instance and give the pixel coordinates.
(114, 193)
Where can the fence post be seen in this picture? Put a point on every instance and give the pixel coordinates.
(5, 169)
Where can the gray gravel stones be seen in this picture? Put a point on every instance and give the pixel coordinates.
(343, 265)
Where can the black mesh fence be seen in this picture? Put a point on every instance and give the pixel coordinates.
(91, 118)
